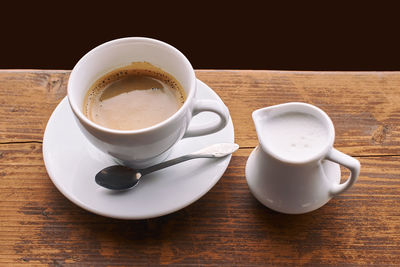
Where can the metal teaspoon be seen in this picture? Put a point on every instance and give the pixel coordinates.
(118, 177)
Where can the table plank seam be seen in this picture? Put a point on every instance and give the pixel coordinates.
(353, 155)
(376, 155)
(20, 142)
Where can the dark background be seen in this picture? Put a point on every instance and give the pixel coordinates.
(218, 35)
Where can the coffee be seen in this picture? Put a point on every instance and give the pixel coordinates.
(133, 97)
(295, 135)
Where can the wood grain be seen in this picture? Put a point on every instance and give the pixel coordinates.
(369, 101)
(364, 107)
(38, 226)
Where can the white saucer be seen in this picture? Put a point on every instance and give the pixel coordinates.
(72, 163)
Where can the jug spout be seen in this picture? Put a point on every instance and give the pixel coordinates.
(261, 116)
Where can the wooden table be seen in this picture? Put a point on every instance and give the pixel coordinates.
(227, 226)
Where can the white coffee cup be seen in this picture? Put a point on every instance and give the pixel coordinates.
(294, 169)
(143, 147)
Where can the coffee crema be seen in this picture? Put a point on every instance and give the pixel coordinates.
(133, 97)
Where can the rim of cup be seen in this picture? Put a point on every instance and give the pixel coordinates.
(77, 110)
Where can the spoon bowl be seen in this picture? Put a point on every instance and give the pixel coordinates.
(122, 177)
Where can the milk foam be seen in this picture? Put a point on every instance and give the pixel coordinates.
(295, 136)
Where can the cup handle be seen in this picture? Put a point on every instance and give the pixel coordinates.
(350, 163)
(212, 106)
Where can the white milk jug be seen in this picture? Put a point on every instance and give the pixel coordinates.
(294, 168)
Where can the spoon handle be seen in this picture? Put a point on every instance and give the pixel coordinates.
(213, 151)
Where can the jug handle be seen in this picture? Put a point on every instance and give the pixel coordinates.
(350, 163)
